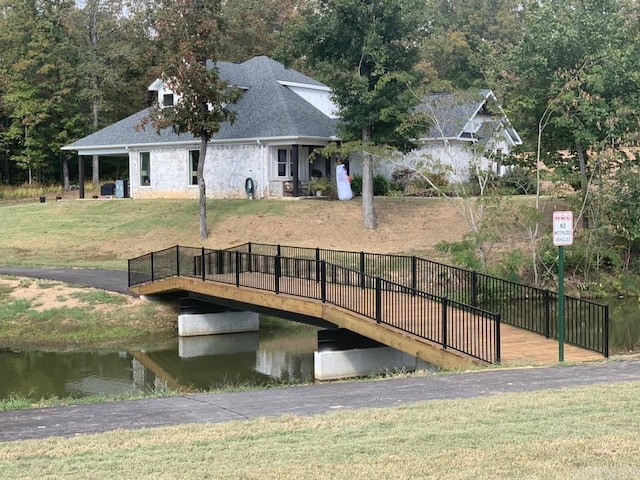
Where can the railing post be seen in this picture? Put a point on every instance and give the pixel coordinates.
(414, 274)
(378, 299)
(362, 270)
(129, 272)
(152, 272)
(177, 260)
(278, 250)
(323, 281)
(606, 331)
(474, 288)
(237, 259)
(547, 313)
(203, 265)
(249, 263)
(318, 265)
(277, 273)
(445, 307)
(497, 335)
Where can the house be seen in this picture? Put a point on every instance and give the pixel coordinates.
(469, 130)
(281, 118)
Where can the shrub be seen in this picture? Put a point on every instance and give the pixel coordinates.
(356, 185)
(380, 186)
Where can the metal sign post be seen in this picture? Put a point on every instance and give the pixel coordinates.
(562, 236)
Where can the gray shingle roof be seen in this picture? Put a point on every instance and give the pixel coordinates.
(267, 109)
(452, 112)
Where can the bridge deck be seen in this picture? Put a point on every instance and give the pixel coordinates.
(518, 346)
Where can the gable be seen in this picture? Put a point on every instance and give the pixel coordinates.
(466, 116)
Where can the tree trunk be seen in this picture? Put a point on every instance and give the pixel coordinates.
(584, 181)
(65, 174)
(369, 218)
(95, 104)
(95, 168)
(202, 198)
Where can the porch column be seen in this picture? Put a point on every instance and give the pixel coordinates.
(294, 170)
(81, 175)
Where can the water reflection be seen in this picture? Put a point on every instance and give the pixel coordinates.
(624, 332)
(192, 364)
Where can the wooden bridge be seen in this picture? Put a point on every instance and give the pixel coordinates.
(395, 310)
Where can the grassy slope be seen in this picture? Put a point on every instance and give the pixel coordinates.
(97, 233)
(586, 433)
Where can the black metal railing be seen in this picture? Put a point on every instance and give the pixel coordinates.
(523, 306)
(447, 322)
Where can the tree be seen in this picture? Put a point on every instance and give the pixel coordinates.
(113, 52)
(366, 51)
(252, 26)
(38, 67)
(463, 38)
(188, 34)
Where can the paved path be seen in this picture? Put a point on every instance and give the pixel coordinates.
(112, 280)
(303, 400)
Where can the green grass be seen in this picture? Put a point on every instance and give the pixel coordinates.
(104, 234)
(583, 433)
(23, 403)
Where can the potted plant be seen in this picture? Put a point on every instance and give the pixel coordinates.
(318, 186)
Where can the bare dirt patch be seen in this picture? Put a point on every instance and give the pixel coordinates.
(405, 225)
(44, 295)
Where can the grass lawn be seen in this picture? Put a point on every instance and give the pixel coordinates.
(581, 433)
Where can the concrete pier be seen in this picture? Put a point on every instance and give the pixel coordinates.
(334, 365)
(194, 324)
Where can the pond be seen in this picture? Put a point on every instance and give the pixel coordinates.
(271, 356)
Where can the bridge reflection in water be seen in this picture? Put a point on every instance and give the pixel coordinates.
(227, 361)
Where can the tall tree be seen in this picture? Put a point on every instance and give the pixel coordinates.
(189, 32)
(253, 26)
(38, 64)
(366, 50)
(462, 36)
(115, 51)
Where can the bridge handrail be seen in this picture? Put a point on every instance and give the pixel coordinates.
(524, 306)
(227, 266)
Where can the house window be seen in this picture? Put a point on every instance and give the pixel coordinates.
(167, 100)
(284, 163)
(145, 168)
(194, 158)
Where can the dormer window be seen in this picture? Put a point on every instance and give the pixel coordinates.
(167, 100)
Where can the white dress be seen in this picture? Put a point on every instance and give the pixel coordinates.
(342, 180)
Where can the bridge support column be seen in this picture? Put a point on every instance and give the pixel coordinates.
(360, 362)
(344, 354)
(194, 324)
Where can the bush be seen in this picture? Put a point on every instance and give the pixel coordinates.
(380, 186)
(518, 181)
(356, 185)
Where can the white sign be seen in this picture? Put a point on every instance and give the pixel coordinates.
(562, 228)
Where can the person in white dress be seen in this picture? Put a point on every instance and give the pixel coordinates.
(343, 181)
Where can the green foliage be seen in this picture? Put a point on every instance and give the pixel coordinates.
(99, 297)
(356, 185)
(463, 253)
(380, 185)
